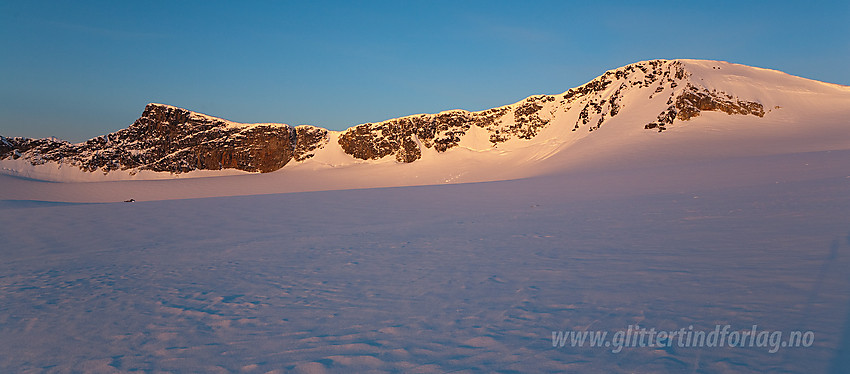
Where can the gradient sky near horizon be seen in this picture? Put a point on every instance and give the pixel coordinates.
(76, 70)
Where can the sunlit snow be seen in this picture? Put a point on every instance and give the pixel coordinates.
(463, 261)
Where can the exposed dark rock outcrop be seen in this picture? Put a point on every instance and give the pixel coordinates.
(176, 140)
(692, 101)
(442, 131)
(600, 100)
(599, 103)
(307, 140)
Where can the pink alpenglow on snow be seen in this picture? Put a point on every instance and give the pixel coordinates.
(683, 196)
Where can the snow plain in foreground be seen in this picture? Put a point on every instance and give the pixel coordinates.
(452, 278)
(342, 265)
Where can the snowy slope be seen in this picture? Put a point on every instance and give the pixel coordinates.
(659, 112)
(740, 219)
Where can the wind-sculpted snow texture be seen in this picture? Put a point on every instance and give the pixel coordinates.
(567, 212)
(464, 278)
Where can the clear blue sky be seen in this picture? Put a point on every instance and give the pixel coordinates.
(78, 69)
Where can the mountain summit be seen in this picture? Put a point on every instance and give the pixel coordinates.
(650, 97)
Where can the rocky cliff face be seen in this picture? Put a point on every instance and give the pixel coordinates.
(591, 104)
(401, 137)
(176, 140)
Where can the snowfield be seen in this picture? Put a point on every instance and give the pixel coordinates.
(582, 131)
(464, 277)
(462, 261)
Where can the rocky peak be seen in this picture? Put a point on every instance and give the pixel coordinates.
(167, 138)
(685, 99)
(590, 105)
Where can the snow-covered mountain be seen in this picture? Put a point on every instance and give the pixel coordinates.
(665, 195)
(619, 111)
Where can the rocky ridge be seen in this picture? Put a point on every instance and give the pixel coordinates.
(590, 104)
(171, 139)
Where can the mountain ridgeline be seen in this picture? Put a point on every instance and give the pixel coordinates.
(169, 139)
(175, 140)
